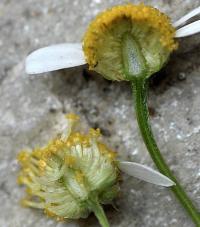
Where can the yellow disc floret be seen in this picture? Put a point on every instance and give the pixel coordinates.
(151, 29)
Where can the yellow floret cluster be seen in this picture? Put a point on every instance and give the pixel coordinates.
(61, 175)
(147, 15)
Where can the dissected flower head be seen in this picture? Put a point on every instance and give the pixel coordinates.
(151, 36)
(65, 176)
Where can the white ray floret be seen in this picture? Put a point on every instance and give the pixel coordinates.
(55, 57)
(188, 16)
(188, 30)
(145, 173)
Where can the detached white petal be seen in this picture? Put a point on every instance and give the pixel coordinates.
(145, 173)
(189, 29)
(55, 57)
(188, 16)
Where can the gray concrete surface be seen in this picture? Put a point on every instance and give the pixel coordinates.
(32, 109)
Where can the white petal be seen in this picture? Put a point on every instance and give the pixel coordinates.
(55, 57)
(189, 29)
(145, 173)
(185, 18)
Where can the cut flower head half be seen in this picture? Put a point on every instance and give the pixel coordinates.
(75, 174)
(148, 33)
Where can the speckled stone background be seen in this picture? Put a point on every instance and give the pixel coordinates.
(32, 110)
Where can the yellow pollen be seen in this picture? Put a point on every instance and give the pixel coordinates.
(112, 155)
(59, 143)
(22, 157)
(95, 132)
(46, 154)
(37, 153)
(53, 149)
(70, 160)
(103, 149)
(27, 170)
(69, 143)
(76, 137)
(79, 177)
(76, 140)
(49, 213)
(42, 164)
(85, 142)
(106, 151)
(72, 117)
(20, 180)
(29, 191)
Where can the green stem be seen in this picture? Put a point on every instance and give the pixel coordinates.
(139, 88)
(99, 212)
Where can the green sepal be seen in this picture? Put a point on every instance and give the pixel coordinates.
(134, 62)
(95, 206)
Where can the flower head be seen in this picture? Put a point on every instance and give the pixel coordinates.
(152, 38)
(75, 173)
(64, 176)
(151, 31)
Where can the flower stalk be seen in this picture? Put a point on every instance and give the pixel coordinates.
(140, 89)
(98, 211)
(133, 63)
